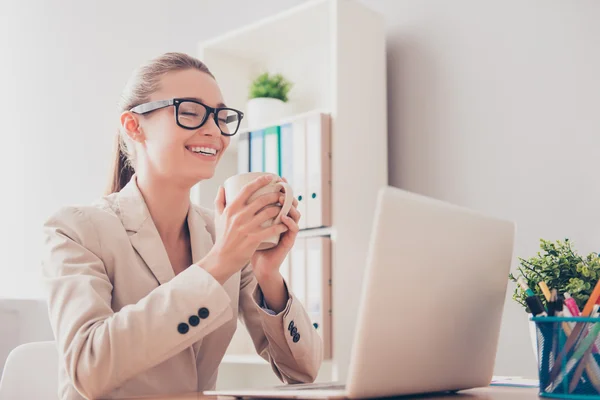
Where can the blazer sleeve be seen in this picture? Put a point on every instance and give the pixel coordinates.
(101, 348)
(293, 360)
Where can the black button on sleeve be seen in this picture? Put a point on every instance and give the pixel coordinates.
(296, 337)
(203, 313)
(194, 320)
(294, 331)
(183, 328)
(291, 325)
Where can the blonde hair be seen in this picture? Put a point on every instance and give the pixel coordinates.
(143, 82)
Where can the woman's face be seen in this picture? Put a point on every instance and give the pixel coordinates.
(166, 148)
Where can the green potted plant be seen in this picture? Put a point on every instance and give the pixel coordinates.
(267, 99)
(560, 266)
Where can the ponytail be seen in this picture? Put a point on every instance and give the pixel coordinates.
(122, 170)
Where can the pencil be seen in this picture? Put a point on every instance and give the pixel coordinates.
(584, 360)
(587, 310)
(545, 290)
(586, 343)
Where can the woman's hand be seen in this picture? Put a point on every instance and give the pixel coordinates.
(241, 231)
(266, 263)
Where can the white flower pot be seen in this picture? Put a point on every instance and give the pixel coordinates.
(262, 111)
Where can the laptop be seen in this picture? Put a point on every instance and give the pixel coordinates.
(431, 303)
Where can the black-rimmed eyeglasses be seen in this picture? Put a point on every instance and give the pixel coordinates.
(192, 114)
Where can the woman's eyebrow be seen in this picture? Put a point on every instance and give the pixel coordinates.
(220, 105)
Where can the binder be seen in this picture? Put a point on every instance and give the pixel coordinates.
(243, 153)
(256, 151)
(271, 150)
(298, 270)
(318, 171)
(286, 153)
(318, 287)
(299, 169)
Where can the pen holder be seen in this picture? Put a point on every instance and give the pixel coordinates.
(568, 357)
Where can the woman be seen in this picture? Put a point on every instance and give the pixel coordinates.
(143, 298)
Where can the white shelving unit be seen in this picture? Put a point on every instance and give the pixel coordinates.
(334, 53)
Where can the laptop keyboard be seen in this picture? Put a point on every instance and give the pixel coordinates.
(313, 386)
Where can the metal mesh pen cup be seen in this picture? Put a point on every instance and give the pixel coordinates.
(568, 357)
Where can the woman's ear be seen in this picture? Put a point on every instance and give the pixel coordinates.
(131, 125)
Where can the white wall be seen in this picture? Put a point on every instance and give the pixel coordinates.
(494, 105)
(64, 64)
(491, 105)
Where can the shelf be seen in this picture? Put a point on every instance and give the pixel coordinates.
(314, 232)
(233, 145)
(283, 121)
(261, 40)
(280, 44)
(333, 51)
(252, 359)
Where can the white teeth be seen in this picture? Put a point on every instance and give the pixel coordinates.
(204, 150)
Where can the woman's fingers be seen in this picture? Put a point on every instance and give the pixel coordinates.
(291, 223)
(265, 215)
(294, 214)
(261, 202)
(282, 199)
(272, 230)
(248, 190)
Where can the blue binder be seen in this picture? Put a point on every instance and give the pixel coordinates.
(244, 153)
(272, 150)
(287, 153)
(257, 160)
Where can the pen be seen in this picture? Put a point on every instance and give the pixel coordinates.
(535, 305)
(572, 305)
(579, 353)
(525, 287)
(587, 310)
(587, 349)
(553, 303)
(593, 370)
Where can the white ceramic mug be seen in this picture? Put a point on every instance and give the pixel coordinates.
(234, 184)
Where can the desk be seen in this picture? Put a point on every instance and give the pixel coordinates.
(488, 393)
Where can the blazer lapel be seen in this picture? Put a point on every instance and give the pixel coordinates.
(201, 240)
(143, 234)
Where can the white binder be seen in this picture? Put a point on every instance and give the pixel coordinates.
(318, 288)
(298, 270)
(299, 169)
(318, 171)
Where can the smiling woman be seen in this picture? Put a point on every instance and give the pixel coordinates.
(143, 296)
(149, 94)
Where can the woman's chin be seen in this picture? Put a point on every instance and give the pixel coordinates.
(203, 175)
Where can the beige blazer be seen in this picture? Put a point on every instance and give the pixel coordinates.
(126, 326)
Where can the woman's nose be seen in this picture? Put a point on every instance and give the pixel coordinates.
(211, 128)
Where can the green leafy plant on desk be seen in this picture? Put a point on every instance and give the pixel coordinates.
(559, 265)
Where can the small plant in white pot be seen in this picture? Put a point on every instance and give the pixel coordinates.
(561, 268)
(268, 99)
